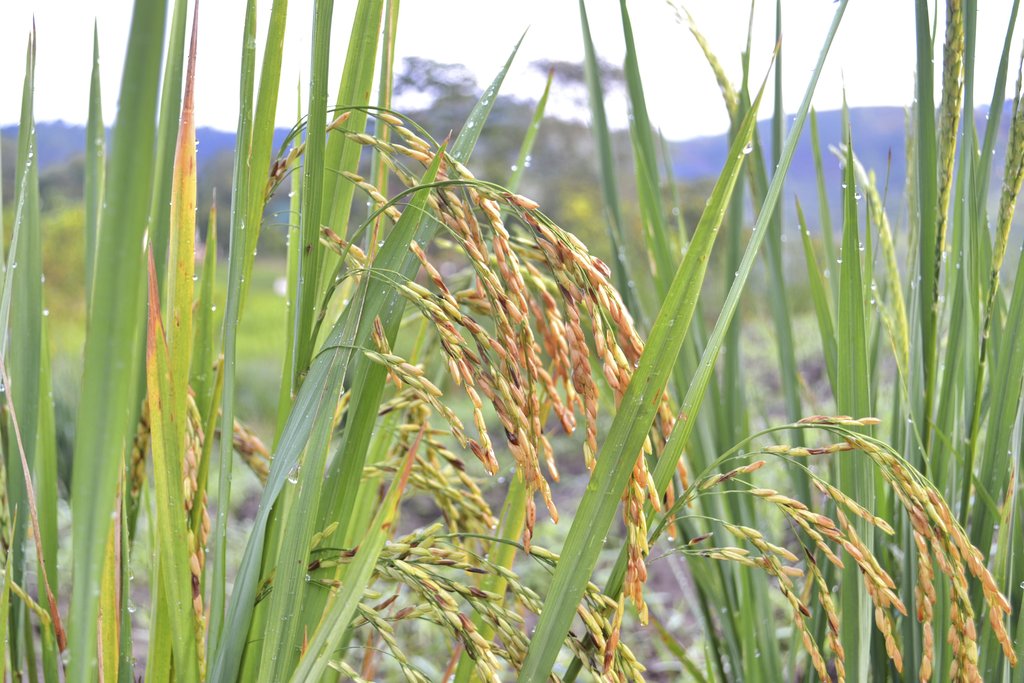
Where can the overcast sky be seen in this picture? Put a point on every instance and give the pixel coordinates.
(873, 55)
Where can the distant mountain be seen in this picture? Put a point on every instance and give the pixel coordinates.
(59, 142)
(878, 139)
(56, 142)
(876, 132)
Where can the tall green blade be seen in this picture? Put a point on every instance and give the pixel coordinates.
(467, 138)
(311, 419)
(313, 173)
(5, 613)
(385, 86)
(606, 163)
(23, 356)
(204, 350)
(262, 137)
(168, 440)
(95, 143)
(690, 408)
(181, 251)
(852, 398)
(23, 303)
(342, 154)
(927, 201)
(46, 463)
(232, 317)
(526, 148)
(112, 358)
(993, 472)
(995, 109)
(827, 236)
(630, 427)
(820, 297)
(645, 158)
(779, 300)
(285, 395)
(166, 135)
(328, 636)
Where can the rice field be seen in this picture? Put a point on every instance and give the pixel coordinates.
(483, 453)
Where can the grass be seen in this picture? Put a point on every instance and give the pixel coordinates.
(444, 361)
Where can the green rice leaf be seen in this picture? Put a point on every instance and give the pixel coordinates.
(466, 140)
(645, 158)
(927, 200)
(232, 318)
(201, 378)
(609, 191)
(630, 427)
(168, 440)
(112, 351)
(852, 398)
(167, 133)
(821, 296)
(23, 356)
(5, 613)
(526, 148)
(677, 442)
(95, 143)
(310, 420)
(342, 155)
(314, 173)
(332, 629)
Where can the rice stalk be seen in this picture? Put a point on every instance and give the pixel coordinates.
(949, 117)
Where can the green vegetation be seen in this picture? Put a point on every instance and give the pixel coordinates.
(774, 459)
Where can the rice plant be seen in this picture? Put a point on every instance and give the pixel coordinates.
(453, 344)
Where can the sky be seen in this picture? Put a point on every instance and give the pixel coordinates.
(872, 57)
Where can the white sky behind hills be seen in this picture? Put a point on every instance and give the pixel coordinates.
(873, 55)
